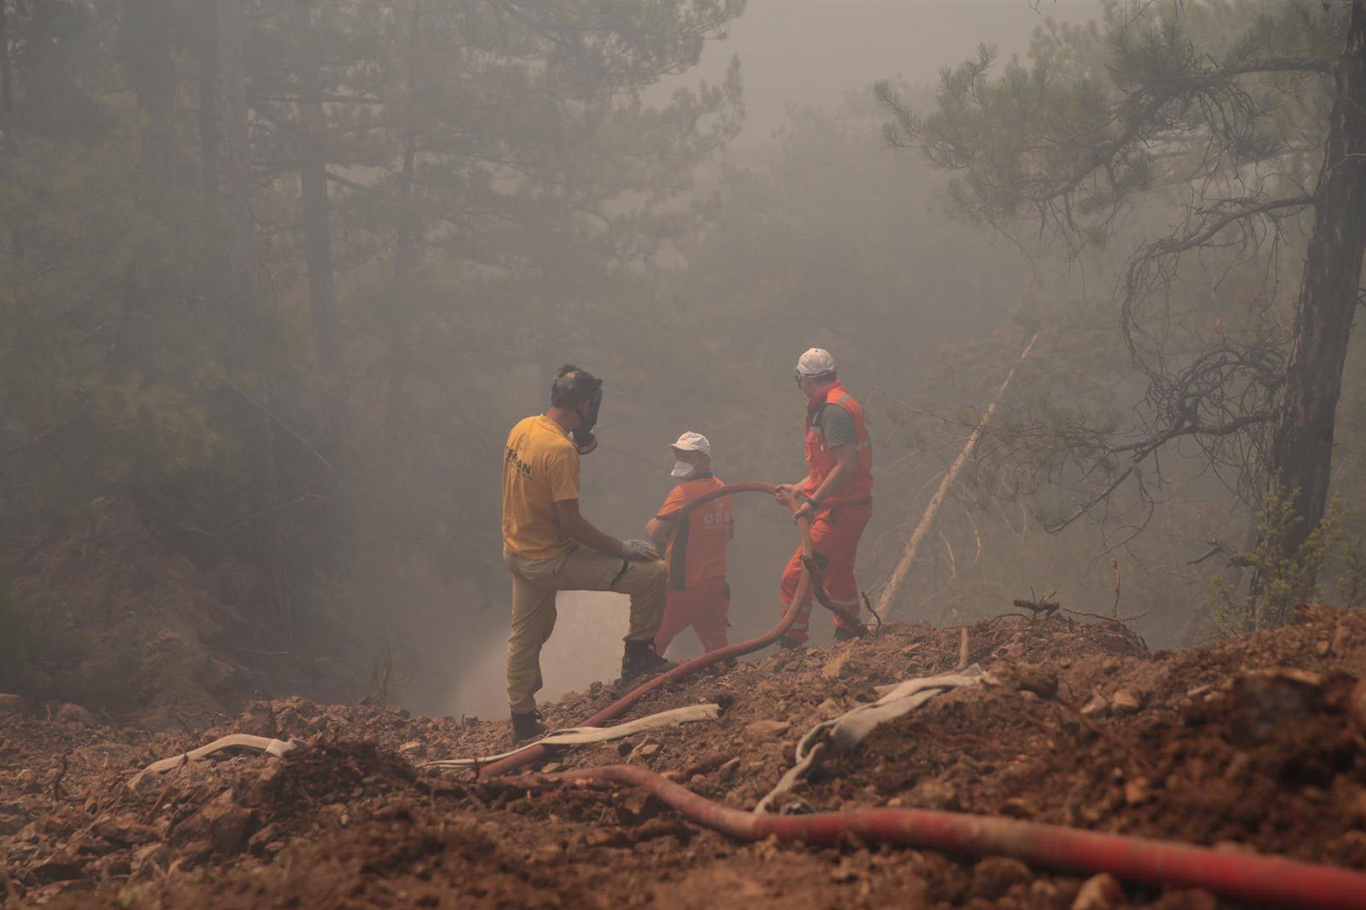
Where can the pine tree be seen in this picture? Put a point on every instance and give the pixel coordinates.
(1225, 107)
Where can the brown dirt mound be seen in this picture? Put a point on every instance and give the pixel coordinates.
(1256, 743)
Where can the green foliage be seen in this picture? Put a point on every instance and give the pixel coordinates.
(1352, 579)
(382, 672)
(44, 657)
(1172, 94)
(1286, 579)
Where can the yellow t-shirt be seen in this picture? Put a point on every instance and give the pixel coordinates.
(540, 468)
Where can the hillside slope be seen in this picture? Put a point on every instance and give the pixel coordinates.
(1256, 744)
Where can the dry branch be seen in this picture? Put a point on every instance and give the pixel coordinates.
(898, 579)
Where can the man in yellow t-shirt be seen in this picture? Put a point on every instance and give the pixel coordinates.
(548, 546)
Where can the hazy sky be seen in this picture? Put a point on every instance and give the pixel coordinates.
(816, 51)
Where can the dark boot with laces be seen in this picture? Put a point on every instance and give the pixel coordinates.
(526, 726)
(640, 660)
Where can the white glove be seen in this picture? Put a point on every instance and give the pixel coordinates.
(639, 548)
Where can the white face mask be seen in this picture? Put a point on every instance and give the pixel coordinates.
(682, 468)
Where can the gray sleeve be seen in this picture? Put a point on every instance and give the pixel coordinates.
(837, 426)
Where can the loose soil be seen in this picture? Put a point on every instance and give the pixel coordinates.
(1258, 743)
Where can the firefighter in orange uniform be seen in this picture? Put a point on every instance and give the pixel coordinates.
(698, 593)
(836, 495)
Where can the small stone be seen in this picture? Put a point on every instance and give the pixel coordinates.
(1356, 809)
(1099, 892)
(548, 852)
(1137, 791)
(1125, 702)
(727, 771)
(995, 875)
(74, 714)
(126, 830)
(1043, 892)
(828, 709)
(410, 747)
(649, 749)
(844, 666)
(1322, 648)
(258, 719)
(149, 855)
(935, 794)
(768, 728)
(1098, 706)
(12, 823)
(259, 843)
(58, 870)
(226, 823)
(638, 806)
(1264, 700)
(1036, 678)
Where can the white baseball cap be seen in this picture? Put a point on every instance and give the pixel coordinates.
(692, 442)
(815, 362)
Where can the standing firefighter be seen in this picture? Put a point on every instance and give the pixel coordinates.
(696, 555)
(837, 494)
(548, 546)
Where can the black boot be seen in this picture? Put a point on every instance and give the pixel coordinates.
(844, 633)
(640, 659)
(526, 726)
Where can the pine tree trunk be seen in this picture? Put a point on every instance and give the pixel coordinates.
(1302, 445)
(405, 253)
(147, 53)
(6, 81)
(206, 27)
(317, 219)
(237, 189)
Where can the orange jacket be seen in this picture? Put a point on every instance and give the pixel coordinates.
(821, 461)
(697, 542)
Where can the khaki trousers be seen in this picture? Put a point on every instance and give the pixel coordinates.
(534, 584)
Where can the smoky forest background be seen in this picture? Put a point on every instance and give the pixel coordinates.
(277, 277)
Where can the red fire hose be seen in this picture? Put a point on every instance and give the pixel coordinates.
(619, 707)
(1241, 876)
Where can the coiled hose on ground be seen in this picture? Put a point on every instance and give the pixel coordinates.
(1242, 876)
